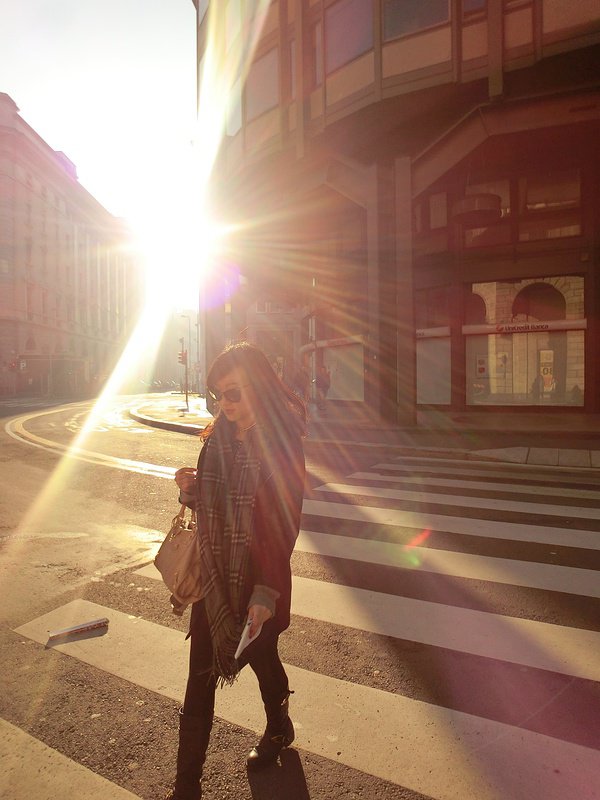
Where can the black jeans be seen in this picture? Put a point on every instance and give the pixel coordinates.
(261, 654)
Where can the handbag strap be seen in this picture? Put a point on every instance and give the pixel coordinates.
(179, 519)
(180, 516)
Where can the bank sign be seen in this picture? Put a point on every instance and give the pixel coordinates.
(523, 327)
(526, 327)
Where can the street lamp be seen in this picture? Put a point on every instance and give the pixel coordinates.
(197, 366)
(187, 360)
(183, 359)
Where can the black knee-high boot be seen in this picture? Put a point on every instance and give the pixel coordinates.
(278, 734)
(194, 733)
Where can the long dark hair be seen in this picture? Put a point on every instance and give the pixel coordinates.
(277, 408)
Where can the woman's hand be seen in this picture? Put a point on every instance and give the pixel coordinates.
(258, 615)
(185, 478)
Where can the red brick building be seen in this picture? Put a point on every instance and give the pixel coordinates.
(69, 287)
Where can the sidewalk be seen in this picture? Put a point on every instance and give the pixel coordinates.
(561, 440)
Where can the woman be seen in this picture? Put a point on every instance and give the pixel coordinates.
(247, 490)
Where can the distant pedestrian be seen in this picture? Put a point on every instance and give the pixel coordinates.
(536, 389)
(247, 490)
(323, 384)
(301, 383)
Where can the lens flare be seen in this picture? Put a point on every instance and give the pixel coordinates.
(176, 237)
(411, 555)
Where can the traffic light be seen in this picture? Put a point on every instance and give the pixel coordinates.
(182, 357)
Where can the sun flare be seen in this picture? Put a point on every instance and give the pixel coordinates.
(176, 238)
(176, 253)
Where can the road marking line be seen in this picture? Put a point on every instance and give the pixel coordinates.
(16, 429)
(30, 769)
(358, 726)
(467, 526)
(488, 486)
(540, 645)
(465, 501)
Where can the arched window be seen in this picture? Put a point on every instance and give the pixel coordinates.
(539, 301)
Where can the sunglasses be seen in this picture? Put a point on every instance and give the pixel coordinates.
(233, 395)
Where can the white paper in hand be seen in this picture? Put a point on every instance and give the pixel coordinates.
(245, 638)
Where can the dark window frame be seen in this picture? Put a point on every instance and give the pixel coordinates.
(470, 13)
(325, 49)
(316, 70)
(416, 31)
(247, 117)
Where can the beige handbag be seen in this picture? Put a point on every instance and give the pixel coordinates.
(178, 559)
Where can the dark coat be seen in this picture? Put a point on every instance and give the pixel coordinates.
(277, 512)
(276, 523)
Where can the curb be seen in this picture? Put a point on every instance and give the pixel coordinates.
(194, 430)
(153, 422)
(397, 449)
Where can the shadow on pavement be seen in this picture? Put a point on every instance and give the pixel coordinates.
(280, 780)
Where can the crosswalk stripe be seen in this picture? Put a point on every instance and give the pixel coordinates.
(489, 529)
(473, 460)
(382, 734)
(484, 485)
(551, 577)
(30, 770)
(547, 475)
(492, 503)
(539, 645)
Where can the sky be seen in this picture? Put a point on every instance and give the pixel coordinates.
(109, 82)
(112, 84)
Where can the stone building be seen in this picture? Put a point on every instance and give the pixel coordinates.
(69, 286)
(417, 188)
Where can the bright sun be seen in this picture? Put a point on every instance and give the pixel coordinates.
(176, 249)
(176, 235)
(177, 241)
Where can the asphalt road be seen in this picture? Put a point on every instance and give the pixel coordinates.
(445, 633)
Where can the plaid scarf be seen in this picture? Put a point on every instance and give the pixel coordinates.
(225, 507)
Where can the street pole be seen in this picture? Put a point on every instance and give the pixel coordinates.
(187, 361)
(197, 367)
(183, 359)
(187, 402)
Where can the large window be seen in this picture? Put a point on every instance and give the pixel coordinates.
(438, 210)
(316, 60)
(346, 367)
(473, 6)
(525, 342)
(292, 53)
(30, 300)
(348, 32)
(262, 85)
(401, 17)
(433, 307)
(498, 232)
(234, 108)
(433, 316)
(233, 22)
(549, 206)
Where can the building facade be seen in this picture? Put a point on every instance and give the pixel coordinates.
(69, 285)
(418, 186)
